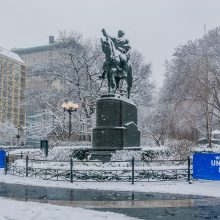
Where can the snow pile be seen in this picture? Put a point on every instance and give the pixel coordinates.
(12, 209)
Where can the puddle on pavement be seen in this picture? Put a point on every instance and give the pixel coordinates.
(102, 199)
(135, 204)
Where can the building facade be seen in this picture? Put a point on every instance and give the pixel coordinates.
(12, 88)
(37, 60)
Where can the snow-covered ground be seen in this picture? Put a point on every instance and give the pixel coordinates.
(17, 210)
(204, 188)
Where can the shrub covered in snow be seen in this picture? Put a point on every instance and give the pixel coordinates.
(172, 150)
(62, 153)
(80, 154)
(180, 149)
(145, 154)
(156, 153)
(125, 155)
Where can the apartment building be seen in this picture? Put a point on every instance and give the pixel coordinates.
(37, 61)
(12, 88)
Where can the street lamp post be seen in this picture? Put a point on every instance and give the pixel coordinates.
(18, 136)
(70, 107)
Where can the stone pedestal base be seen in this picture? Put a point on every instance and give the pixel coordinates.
(104, 156)
(116, 125)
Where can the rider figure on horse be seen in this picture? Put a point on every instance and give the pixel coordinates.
(117, 64)
(120, 43)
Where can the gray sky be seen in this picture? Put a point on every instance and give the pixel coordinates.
(154, 27)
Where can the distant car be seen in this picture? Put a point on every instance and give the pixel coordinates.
(215, 138)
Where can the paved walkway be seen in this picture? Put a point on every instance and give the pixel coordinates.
(135, 204)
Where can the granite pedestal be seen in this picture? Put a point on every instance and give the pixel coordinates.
(116, 126)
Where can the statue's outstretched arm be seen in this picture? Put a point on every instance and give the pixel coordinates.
(107, 35)
(104, 32)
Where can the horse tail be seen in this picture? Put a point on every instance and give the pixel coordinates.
(129, 81)
(129, 77)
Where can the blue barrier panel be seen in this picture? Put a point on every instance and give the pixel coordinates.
(2, 158)
(206, 166)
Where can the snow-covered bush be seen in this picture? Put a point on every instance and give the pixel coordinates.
(125, 155)
(155, 154)
(145, 154)
(61, 153)
(180, 149)
(173, 149)
(80, 154)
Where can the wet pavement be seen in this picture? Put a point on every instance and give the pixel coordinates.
(135, 204)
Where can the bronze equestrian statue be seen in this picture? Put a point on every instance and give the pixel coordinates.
(116, 67)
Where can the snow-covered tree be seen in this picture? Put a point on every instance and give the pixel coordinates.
(143, 87)
(8, 132)
(191, 88)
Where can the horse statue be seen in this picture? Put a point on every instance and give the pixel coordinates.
(116, 67)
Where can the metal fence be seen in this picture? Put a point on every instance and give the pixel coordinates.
(117, 171)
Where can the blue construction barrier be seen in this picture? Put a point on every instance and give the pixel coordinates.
(2, 158)
(206, 166)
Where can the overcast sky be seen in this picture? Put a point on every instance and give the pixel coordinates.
(154, 27)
